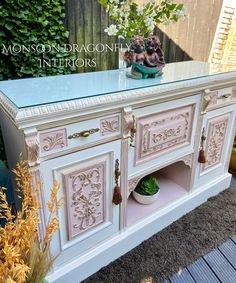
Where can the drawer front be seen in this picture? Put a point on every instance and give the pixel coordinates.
(88, 216)
(163, 132)
(217, 98)
(79, 134)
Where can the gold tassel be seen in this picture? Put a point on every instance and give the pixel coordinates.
(117, 198)
(201, 157)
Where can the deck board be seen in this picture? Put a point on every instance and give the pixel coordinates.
(201, 272)
(221, 267)
(234, 239)
(218, 266)
(228, 249)
(183, 277)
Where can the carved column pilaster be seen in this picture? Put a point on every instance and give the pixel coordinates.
(127, 121)
(209, 98)
(33, 157)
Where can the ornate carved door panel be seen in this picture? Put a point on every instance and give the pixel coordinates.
(88, 216)
(219, 126)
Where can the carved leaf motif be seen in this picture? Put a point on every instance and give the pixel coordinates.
(87, 198)
(110, 126)
(33, 150)
(167, 137)
(215, 143)
(53, 140)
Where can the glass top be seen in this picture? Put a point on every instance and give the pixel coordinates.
(38, 91)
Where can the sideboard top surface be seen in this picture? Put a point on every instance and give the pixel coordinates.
(32, 92)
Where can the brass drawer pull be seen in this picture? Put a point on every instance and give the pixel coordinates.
(227, 95)
(83, 134)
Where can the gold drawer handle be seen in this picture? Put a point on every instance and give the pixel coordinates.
(83, 134)
(227, 95)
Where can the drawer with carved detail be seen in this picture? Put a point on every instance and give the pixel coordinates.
(80, 134)
(162, 132)
(214, 99)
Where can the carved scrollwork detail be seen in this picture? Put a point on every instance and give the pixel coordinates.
(86, 203)
(188, 160)
(110, 125)
(164, 131)
(133, 183)
(33, 151)
(215, 140)
(209, 98)
(53, 141)
(127, 121)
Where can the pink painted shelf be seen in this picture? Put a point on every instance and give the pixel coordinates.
(169, 192)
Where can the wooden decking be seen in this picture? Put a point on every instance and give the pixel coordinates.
(219, 266)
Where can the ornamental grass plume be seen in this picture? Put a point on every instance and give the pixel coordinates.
(24, 258)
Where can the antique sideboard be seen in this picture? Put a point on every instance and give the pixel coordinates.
(94, 131)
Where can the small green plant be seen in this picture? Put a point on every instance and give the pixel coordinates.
(147, 186)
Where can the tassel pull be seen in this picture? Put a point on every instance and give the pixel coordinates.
(117, 198)
(201, 156)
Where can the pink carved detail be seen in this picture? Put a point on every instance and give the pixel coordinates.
(109, 125)
(33, 151)
(215, 140)
(188, 160)
(163, 132)
(53, 140)
(85, 191)
(234, 92)
(133, 183)
(37, 187)
(127, 121)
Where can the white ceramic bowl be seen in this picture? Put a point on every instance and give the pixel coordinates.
(145, 199)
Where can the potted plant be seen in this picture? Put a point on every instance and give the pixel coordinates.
(130, 20)
(147, 190)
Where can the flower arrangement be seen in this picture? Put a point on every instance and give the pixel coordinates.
(23, 257)
(131, 19)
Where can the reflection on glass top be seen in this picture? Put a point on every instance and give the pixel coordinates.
(37, 91)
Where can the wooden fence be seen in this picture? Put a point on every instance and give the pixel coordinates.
(191, 39)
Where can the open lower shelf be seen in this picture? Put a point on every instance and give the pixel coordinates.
(169, 192)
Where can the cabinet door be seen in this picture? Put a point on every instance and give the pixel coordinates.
(88, 216)
(219, 126)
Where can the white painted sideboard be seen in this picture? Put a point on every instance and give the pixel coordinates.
(80, 129)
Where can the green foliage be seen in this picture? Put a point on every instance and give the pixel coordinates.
(147, 186)
(32, 23)
(132, 19)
